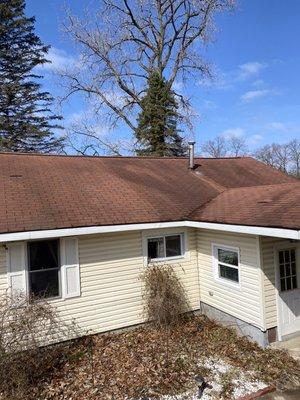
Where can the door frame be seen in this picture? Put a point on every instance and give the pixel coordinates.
(276, 248)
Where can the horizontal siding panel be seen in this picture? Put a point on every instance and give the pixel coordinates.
(245, 303)
(111, 289)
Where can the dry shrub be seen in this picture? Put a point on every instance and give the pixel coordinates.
(27, 325)
(165, 298)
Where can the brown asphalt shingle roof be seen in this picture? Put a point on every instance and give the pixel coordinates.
(49, 192)
(272, 205)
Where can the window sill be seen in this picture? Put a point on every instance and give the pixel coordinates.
(53, 298)
(166, 260)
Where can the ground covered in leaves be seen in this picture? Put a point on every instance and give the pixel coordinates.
(146, 362)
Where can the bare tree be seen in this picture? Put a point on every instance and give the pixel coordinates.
(267, 155)
(126, 40)
(237, 146)
(85, 138)
(282, 155)
(276, 155)
(216, 148)
(294, 155)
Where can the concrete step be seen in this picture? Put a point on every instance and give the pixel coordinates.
(291, 345)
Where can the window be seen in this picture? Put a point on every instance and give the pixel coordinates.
(43, 268)
(167, 246)
(287, 269)
(226, 261)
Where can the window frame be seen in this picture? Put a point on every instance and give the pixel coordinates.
(164, 235)
(216, 268)
(58, 269)
(283, 249)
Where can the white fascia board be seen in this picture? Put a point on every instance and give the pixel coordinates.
(251, 230)
(52, 233)
(89, 230)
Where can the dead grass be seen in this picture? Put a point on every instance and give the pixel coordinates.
(133, 364)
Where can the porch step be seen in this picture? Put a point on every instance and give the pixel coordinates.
(291, 345)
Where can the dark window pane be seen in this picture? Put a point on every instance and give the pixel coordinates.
(156, 248)
(228, 257)
(293, 256)
(43, 255)
(173, 246)
(282, 284)
(288, 284)
(44, 283)
(295, 286)
(282, 273)
(288, 270)
(286, 256)
(281, 257)
(229, 273)
(293, 268)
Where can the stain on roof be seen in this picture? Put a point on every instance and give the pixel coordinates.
(51, 192)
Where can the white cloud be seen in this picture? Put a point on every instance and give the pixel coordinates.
(255, 139)
(254, 94)
(250, 69)
(258, 83)
(209, 105)
(178, 86)
(276, 126)
(233, 133)
(59, 59)
(243, 72)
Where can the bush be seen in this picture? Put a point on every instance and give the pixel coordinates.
(27, 325)
(166, 301)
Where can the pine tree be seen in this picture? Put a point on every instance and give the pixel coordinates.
(157, 132)
(26, 119)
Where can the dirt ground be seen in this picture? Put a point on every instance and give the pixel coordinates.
(146, 362)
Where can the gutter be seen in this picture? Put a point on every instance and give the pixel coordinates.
(245, 229)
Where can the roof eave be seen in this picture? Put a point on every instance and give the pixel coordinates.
(89, 230)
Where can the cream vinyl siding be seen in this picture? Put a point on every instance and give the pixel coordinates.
(111, 289)
(185, 267)
(268, 260)
(244, 303)
(3, 270)
(110, 265)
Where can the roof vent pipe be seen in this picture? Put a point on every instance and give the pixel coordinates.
(191, 155)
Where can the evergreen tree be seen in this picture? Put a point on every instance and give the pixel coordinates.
(26, 119)
(157, 132)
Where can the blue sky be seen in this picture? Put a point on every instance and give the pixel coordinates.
(256, 60)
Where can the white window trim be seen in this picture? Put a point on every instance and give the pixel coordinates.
(61, 270)
(156, 235)
(215, 262)
(24, 272)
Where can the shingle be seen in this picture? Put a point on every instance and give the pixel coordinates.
(275, 206)
(51, 192)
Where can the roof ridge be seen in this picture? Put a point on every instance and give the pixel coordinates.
(19, 153)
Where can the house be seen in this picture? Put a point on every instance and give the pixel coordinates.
(80, 230)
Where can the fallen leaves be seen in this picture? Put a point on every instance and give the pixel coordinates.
(133, 364)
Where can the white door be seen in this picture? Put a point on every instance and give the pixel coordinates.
(288, 285)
